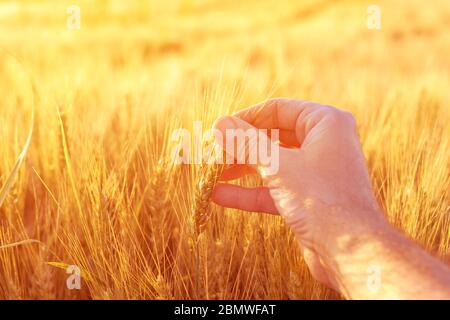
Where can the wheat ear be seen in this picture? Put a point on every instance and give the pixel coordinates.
(209, 176)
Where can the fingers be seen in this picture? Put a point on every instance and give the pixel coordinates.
(248, 199)
(236, 171)
(293, 117)
(279, 113)
(243, 142)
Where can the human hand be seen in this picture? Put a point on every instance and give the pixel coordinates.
(322, 187)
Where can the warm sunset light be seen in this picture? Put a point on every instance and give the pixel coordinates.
(124, 175)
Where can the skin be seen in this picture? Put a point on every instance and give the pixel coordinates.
(323, 191)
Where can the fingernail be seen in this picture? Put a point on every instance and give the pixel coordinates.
(223, 123)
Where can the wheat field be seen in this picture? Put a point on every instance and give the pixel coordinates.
(96, 187)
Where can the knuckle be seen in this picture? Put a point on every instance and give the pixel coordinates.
(332, 113)
(272, 102)
(221, 119)
(341, 116)
(349, 118)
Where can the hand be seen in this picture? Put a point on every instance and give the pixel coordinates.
(322, 187)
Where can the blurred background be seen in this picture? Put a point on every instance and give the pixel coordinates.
(304, 48)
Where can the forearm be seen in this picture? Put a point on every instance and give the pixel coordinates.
(383, 264)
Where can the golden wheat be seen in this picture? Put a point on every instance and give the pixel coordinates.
(95, 187)
(208, 178)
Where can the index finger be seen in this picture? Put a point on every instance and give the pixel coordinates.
(277, 113)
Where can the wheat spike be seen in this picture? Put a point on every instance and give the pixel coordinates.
(160, 222)
(43, 286)
(12, 177)
(158, 188)
(209, 176)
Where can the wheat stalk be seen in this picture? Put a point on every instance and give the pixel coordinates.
(43, 286)
(160, 222)
(159, 183)
(209, 176)
(10, 181)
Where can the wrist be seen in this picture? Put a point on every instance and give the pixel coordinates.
(384, 264)
(352, 255)
(349, 230)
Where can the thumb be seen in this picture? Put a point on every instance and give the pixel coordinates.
(246, 144)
